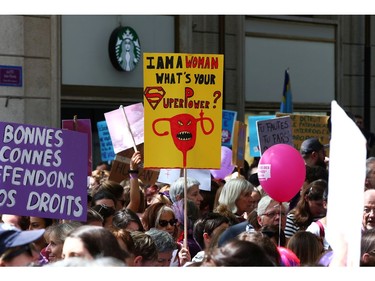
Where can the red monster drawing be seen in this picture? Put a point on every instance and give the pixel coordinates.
(184, 131)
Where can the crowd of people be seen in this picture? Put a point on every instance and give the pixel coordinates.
(236, 223)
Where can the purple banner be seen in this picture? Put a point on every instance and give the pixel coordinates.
(10, 76)
(43, 172)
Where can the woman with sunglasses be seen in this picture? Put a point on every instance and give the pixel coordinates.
(104, 202)
(162, 217)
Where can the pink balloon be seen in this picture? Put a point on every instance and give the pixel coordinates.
(281, 172)
(226, 167)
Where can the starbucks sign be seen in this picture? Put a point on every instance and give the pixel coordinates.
(124, 48)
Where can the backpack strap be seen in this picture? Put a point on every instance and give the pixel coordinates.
(321, 228)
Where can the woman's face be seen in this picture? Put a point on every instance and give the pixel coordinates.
(167, 217)
(54, 248)
(194, 195)
(317, 209)
(74, 247)
(127, 44)
(37, 223)
(244, 203)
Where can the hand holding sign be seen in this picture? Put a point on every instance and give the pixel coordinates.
(281, 172)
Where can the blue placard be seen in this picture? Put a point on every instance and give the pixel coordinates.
(253, 133)
(106, 146)
(229, 118)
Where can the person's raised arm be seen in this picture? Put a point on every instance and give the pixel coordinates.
(135, 196)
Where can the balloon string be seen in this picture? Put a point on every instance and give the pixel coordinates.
(279, 224)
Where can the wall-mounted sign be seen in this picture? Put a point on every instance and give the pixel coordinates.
(124, 48)
(10, 76)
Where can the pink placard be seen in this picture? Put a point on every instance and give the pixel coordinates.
(126, 127)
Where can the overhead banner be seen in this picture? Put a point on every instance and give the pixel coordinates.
(183, 95)
(43, 172)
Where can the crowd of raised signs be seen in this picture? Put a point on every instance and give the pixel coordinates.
(235, 223)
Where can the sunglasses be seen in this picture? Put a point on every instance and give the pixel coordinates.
(164, 223)
(104, 210)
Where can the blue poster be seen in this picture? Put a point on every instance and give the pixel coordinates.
(253, 133)
(229, 118)
(106, 147)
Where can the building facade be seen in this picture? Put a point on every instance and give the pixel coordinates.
(66, 68)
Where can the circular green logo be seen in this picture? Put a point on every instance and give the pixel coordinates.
(124, 48)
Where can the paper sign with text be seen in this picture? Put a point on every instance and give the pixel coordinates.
(274, 131)
(106, 147)
(43, 172)
(183, 96)
(125, 126)
(308, 126)
(253, 133)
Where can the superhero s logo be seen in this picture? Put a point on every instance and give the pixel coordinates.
(184, 131)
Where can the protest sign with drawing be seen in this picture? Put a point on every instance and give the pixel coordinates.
(43, 172)
(183, 110)
(183, 97)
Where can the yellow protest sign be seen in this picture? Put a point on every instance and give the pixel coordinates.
(183, 96)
